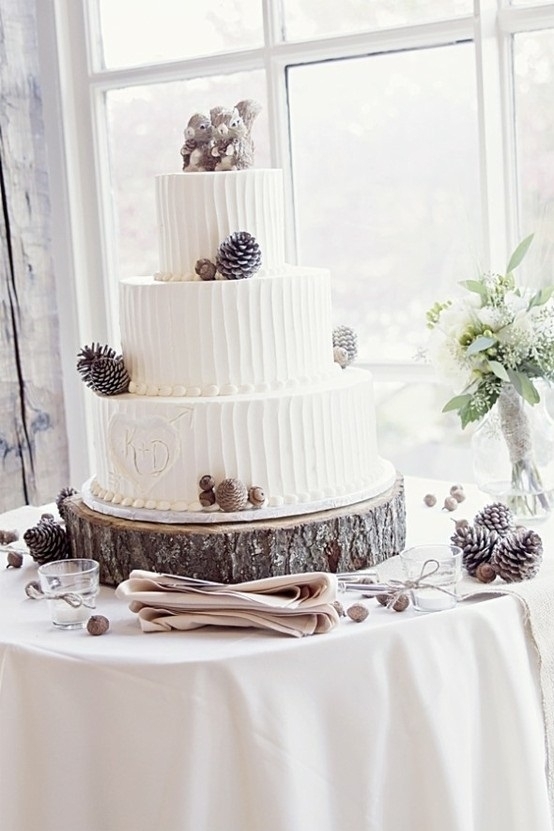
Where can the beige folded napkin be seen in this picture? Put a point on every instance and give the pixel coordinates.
(294, 604)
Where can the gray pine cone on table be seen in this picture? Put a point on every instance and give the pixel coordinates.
(64, 494)
(496, 517)
(47, 541)
(518, 555)
(477, 543)
(345, 338)
(238, 256)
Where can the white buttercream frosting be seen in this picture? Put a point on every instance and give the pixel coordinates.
(196, 212)
(296, 445)
(222, 338)
(231, 378)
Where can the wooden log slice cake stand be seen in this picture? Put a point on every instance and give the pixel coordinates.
(341, 539)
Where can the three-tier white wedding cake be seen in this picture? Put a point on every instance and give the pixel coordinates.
(234, 379)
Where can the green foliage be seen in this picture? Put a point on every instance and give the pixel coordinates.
(507, 337)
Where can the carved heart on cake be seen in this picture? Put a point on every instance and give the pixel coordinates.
(142, 451)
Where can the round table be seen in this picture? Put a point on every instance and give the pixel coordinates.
(431, 722)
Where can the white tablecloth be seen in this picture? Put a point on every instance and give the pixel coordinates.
(405, 721)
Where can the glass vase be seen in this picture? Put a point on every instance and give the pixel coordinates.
(513, 455)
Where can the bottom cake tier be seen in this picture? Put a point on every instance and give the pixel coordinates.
(308, 448)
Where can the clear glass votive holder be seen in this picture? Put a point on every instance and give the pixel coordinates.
(70, 587)
(438, 570)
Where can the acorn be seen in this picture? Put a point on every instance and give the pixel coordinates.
(340, 356)
(6, 537)
(206, 483)
(450, 503)
(458, 494)
(205, 269)
(456, 488)
(357, 612)
(430, 499)
(256, 496)
(400, 604)
(14, 559)
(207, 498)
(485, 573)
(98, 625)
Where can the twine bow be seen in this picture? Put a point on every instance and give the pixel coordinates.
(72, 599)
(396, 588)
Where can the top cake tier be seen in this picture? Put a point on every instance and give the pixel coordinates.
(197, 211)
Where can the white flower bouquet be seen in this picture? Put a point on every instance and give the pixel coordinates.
(491, 345)
(497, 334)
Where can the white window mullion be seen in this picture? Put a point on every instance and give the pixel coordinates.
(495, 123)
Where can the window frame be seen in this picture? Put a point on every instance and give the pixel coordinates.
(74, 87)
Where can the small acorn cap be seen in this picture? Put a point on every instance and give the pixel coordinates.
(485, 573)
(207, 498)
(206, 483)
(256, 495)
(98, 625)
(14, 559)
(458, 495)
(339, 608)
(6, 537)
(401, 603)
(430, 499)
(357, 612)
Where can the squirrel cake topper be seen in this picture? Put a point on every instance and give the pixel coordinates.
(222, 141)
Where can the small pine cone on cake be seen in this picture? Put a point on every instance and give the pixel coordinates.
(231, 495)
(238, 256)
(103, 370)
(518, 555)
(345, 345)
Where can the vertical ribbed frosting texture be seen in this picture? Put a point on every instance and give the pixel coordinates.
(225, 337)
(197, 211)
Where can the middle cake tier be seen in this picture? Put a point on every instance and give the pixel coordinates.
(227, 337)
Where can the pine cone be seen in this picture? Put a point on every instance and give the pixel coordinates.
(345, 338)
(231, 495)
(102, 370)
(238, 256)
(109, 376)
(496, 517)
(47, 541)
(518, 555)
(64, 494)
(477, 543)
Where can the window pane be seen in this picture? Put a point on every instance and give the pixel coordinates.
(385, 161)
(146, 127)
(417, 437)
(152, 31)
(534, 93)
(306, 19)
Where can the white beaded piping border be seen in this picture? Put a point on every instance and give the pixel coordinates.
(215, 390)
(180, 513)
